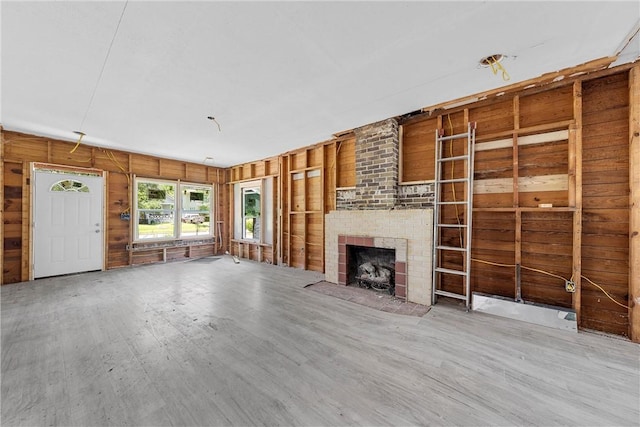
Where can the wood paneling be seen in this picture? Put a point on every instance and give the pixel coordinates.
(546, 107)
(634, 202)
(604, 261)
(19, 150)
(418, 150)
(346, 163)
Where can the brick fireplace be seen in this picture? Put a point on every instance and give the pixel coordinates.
(407, 231)
(380, 213)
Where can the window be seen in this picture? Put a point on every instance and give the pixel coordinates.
(195, 219)
(253, 211)
(70, 185)
(170, 210)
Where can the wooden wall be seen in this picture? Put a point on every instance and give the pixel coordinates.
(19, 150)
(605, 217)
(305, 183)
(551, 193)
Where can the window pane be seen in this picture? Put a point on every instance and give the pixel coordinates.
(70, 185)
(251, 213)
(196, 218)
(156, 208)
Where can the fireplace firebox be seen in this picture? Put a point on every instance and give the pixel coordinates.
(371, 268)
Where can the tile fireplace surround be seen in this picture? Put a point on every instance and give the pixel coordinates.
(408, 231)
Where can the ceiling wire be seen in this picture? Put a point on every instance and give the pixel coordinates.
(104, 64)
(213, 119)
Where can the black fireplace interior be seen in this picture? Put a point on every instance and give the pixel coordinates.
(371, 268)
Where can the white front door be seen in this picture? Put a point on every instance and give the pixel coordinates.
(67, 228)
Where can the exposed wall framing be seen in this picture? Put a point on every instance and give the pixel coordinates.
(548, 196)
(556, 192)
(20, 150)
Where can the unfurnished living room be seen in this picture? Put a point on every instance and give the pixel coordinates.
(320, 213)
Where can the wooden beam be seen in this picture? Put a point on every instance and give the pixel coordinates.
(400, 154)
(540, 138)
(27, 238)
(575, 196)
(1, 202)
(288, 213)
(516, 160)
(526, 184)
(634, 203)
(280, 202)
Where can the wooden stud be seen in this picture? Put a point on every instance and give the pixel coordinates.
(27, 243)
(575, 195)
(132, 219)
(322, 205)
(290, 199)
(2, 155)
(400, 154)
(516, 161)
(105, 218)
(280, 202)
(305, 218)
(634, 203)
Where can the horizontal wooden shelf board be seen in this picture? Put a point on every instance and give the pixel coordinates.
(559, 182)
(541, 138)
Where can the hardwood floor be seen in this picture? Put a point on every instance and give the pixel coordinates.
(216, 343)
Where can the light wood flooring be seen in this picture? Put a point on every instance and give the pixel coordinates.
(216, 343)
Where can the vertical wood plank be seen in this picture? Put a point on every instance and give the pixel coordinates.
(1, 203)
(516, 161)
(305, 216)
(131, 182)
(575, 195)
(280, 202)
(516, 199)
(400, 154)
(634, 203)
(289, 198)
(26, 222)
(105, 218)
(322, 201)
(132, 219)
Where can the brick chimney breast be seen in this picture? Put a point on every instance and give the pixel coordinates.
(377, 151)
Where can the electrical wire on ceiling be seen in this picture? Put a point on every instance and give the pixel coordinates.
(95, 89)
(213, 119)
(494, 61)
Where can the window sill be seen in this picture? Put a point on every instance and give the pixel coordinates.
(251, 242)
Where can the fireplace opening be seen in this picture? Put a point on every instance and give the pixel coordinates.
(371, 268)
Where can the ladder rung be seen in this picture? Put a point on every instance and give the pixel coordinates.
(444, 225)
(450, 294)
(451, 159)
(449, 271)
(450, 181)
(450, 137)
(463, 202)
(451, 248)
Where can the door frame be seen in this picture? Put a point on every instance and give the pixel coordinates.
(33, 166)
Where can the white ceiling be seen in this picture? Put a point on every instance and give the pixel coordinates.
(275, 75)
